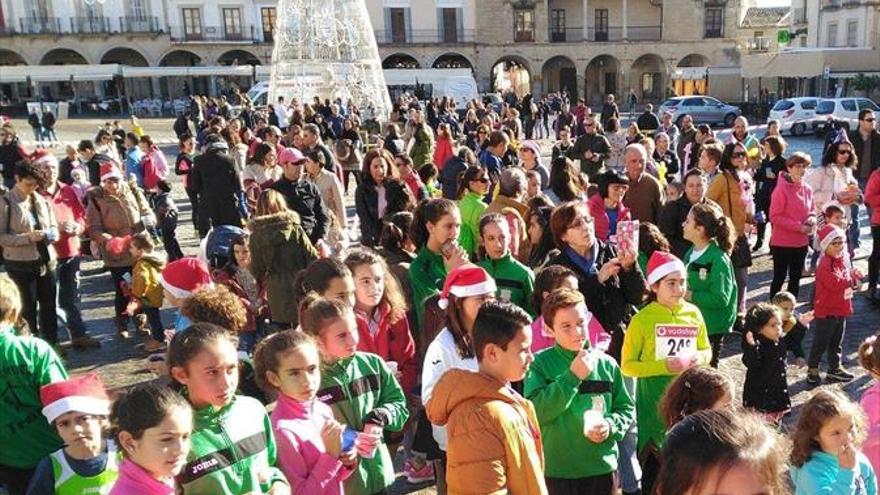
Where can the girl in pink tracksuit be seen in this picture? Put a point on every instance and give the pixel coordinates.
(869, 357)
(312, 453)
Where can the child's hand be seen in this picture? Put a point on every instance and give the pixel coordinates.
(678, 364)
(750, 339)
(132, 307)
(580, 367)
(456, 257)
(279, 488)
(857, 275)
(847, 457)
(806, 318)
(331, 434)
(349, 459)
(599, 433)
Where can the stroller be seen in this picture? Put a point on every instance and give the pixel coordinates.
(214, 249)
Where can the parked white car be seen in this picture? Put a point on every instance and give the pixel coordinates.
(844, 110)
(702, 109)
(795, 115)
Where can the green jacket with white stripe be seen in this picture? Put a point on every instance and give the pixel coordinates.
(232, 451)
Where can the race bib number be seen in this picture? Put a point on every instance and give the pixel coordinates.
(675, 341)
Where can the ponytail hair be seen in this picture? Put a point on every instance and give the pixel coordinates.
(464, 179)
(716, 225)
(395, 230)
(429, 211)
(316, 278)
(316, 312)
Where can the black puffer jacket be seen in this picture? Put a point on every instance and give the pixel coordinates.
(218, 185)
(766, 388)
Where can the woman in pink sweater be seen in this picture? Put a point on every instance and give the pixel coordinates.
(315, 452)
(869, 357)
(793, 220)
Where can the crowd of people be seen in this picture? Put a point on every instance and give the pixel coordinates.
(506, 326)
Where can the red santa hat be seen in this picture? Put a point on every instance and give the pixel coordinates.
(828, 233)
(662, 264)
(184, 276)
(44, 157)
(84, 394)
(109, 170)
(466, 281)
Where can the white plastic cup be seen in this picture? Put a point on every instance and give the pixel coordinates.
(592, 419)
(393, 366)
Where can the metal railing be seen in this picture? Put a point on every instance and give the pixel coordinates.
(611, 33)
(179, 34)
(148, 24)
(415, 36)
(40, 25)
(90, 25)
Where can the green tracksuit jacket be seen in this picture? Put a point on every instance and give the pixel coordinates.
(472, 208)
(232, 451)
(26, 364)
(515, 281)
(560, 400)
(713, 288)
(361, 390)
(426, 276)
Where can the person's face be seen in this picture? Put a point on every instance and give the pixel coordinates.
(299, 373)
(739, 127)
(672, 193)
(589, 126)
(670, 289)
(369, 285)
(580, 234)
(189, 145)
(403, 167)
(837, 219)
(51, 173)
(107, 140)
(739, 479)
(377, 170)
(495, 238)
(687, 121)
(313, 168)
(310, 139)
(6, 137)
(235, 126)
(339, 339)
(342, 289)
(446, 229)
(616, 192)
(843, 153)
(211, 376)
(271, 159)
(526, 155)
(835, 433)
(564, 136)
(690, 230)
(81, 432)
(739, 157)
(706, 163)
(26, 185)
(514, 361)
(773, 129)
(480, 184)
(481, 135)
(470, 306)
(293, 171)
(835, 249)
(773, 329)
(635, 164)
(798, 170)
(143, 147)
(534, 186)
(570, 327)
(787, 308)
(162, 449)
(134, 251)
(242, 255)
(535, 230)
(662, 145)
(866, 124)
(667, 119)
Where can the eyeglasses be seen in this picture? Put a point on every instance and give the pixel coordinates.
(739, 154)
(481, 132)
(581, 222)
(844, 152)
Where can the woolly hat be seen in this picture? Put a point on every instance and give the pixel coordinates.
(466, 281)
(109, 170)
(828, 233)
(84, 394)
(290, 155)
(662, 264)
(184, 276)
(532, 146)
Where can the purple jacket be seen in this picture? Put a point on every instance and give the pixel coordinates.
(135, 479)
(301, 453)
(790, 205)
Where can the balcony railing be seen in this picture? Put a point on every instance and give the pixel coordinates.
(40, 25)
(179, 34)
(427, 36)
(148, 24)
(90, 25)
(611, 33)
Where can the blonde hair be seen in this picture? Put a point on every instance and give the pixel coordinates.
(10, 300)
(270, 202)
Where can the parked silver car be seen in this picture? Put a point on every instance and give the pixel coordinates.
(703, 109)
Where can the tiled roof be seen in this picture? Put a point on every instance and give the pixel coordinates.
(764, 16)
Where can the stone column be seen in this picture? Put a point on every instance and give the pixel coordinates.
(156, 87)
(585, 21)
(624, 33)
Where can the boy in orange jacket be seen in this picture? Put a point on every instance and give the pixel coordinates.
(493, 434)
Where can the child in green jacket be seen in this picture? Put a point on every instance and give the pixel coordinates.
(578, 392)
(232, 448)
(359, 388)
(514, 280)
(665, 338)
(710, 280)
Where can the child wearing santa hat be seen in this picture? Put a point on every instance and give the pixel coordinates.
(77, 408)
(836, 280)
(665, 338)
(464, 291)
(180, 279)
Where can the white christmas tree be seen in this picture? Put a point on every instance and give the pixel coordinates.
(326, 48)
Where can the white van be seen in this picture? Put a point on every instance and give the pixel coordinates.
(458, 84)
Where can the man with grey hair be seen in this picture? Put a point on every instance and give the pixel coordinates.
(510, 202)
(645, 196)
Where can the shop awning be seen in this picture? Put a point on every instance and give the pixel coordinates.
(210, 70)
(53, 73)
(810, 62)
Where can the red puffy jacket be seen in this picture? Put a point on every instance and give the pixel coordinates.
(392, 342)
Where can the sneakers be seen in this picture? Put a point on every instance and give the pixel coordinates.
(140, 322)
(85, 342)
(415, 475)
(153, 345)
(813, 377)
(839, 375)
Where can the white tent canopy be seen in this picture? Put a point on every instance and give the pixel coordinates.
(106, 72)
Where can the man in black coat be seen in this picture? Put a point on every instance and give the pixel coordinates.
(91, 160)
(647, 121)
(303, 197)
(218, 185)
(609, 111)
(591, 149)
(866, 144)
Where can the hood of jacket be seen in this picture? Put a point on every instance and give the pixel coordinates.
(154, 259)
(459, 386)
(275, 228)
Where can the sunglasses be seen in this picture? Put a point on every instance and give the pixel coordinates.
(872, 119)
(589, 125)
(739, 154)
(844, 152)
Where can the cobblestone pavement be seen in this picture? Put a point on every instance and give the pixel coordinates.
(121, 363)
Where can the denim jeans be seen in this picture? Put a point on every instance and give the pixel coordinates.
(628, 466)
(68, 308)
